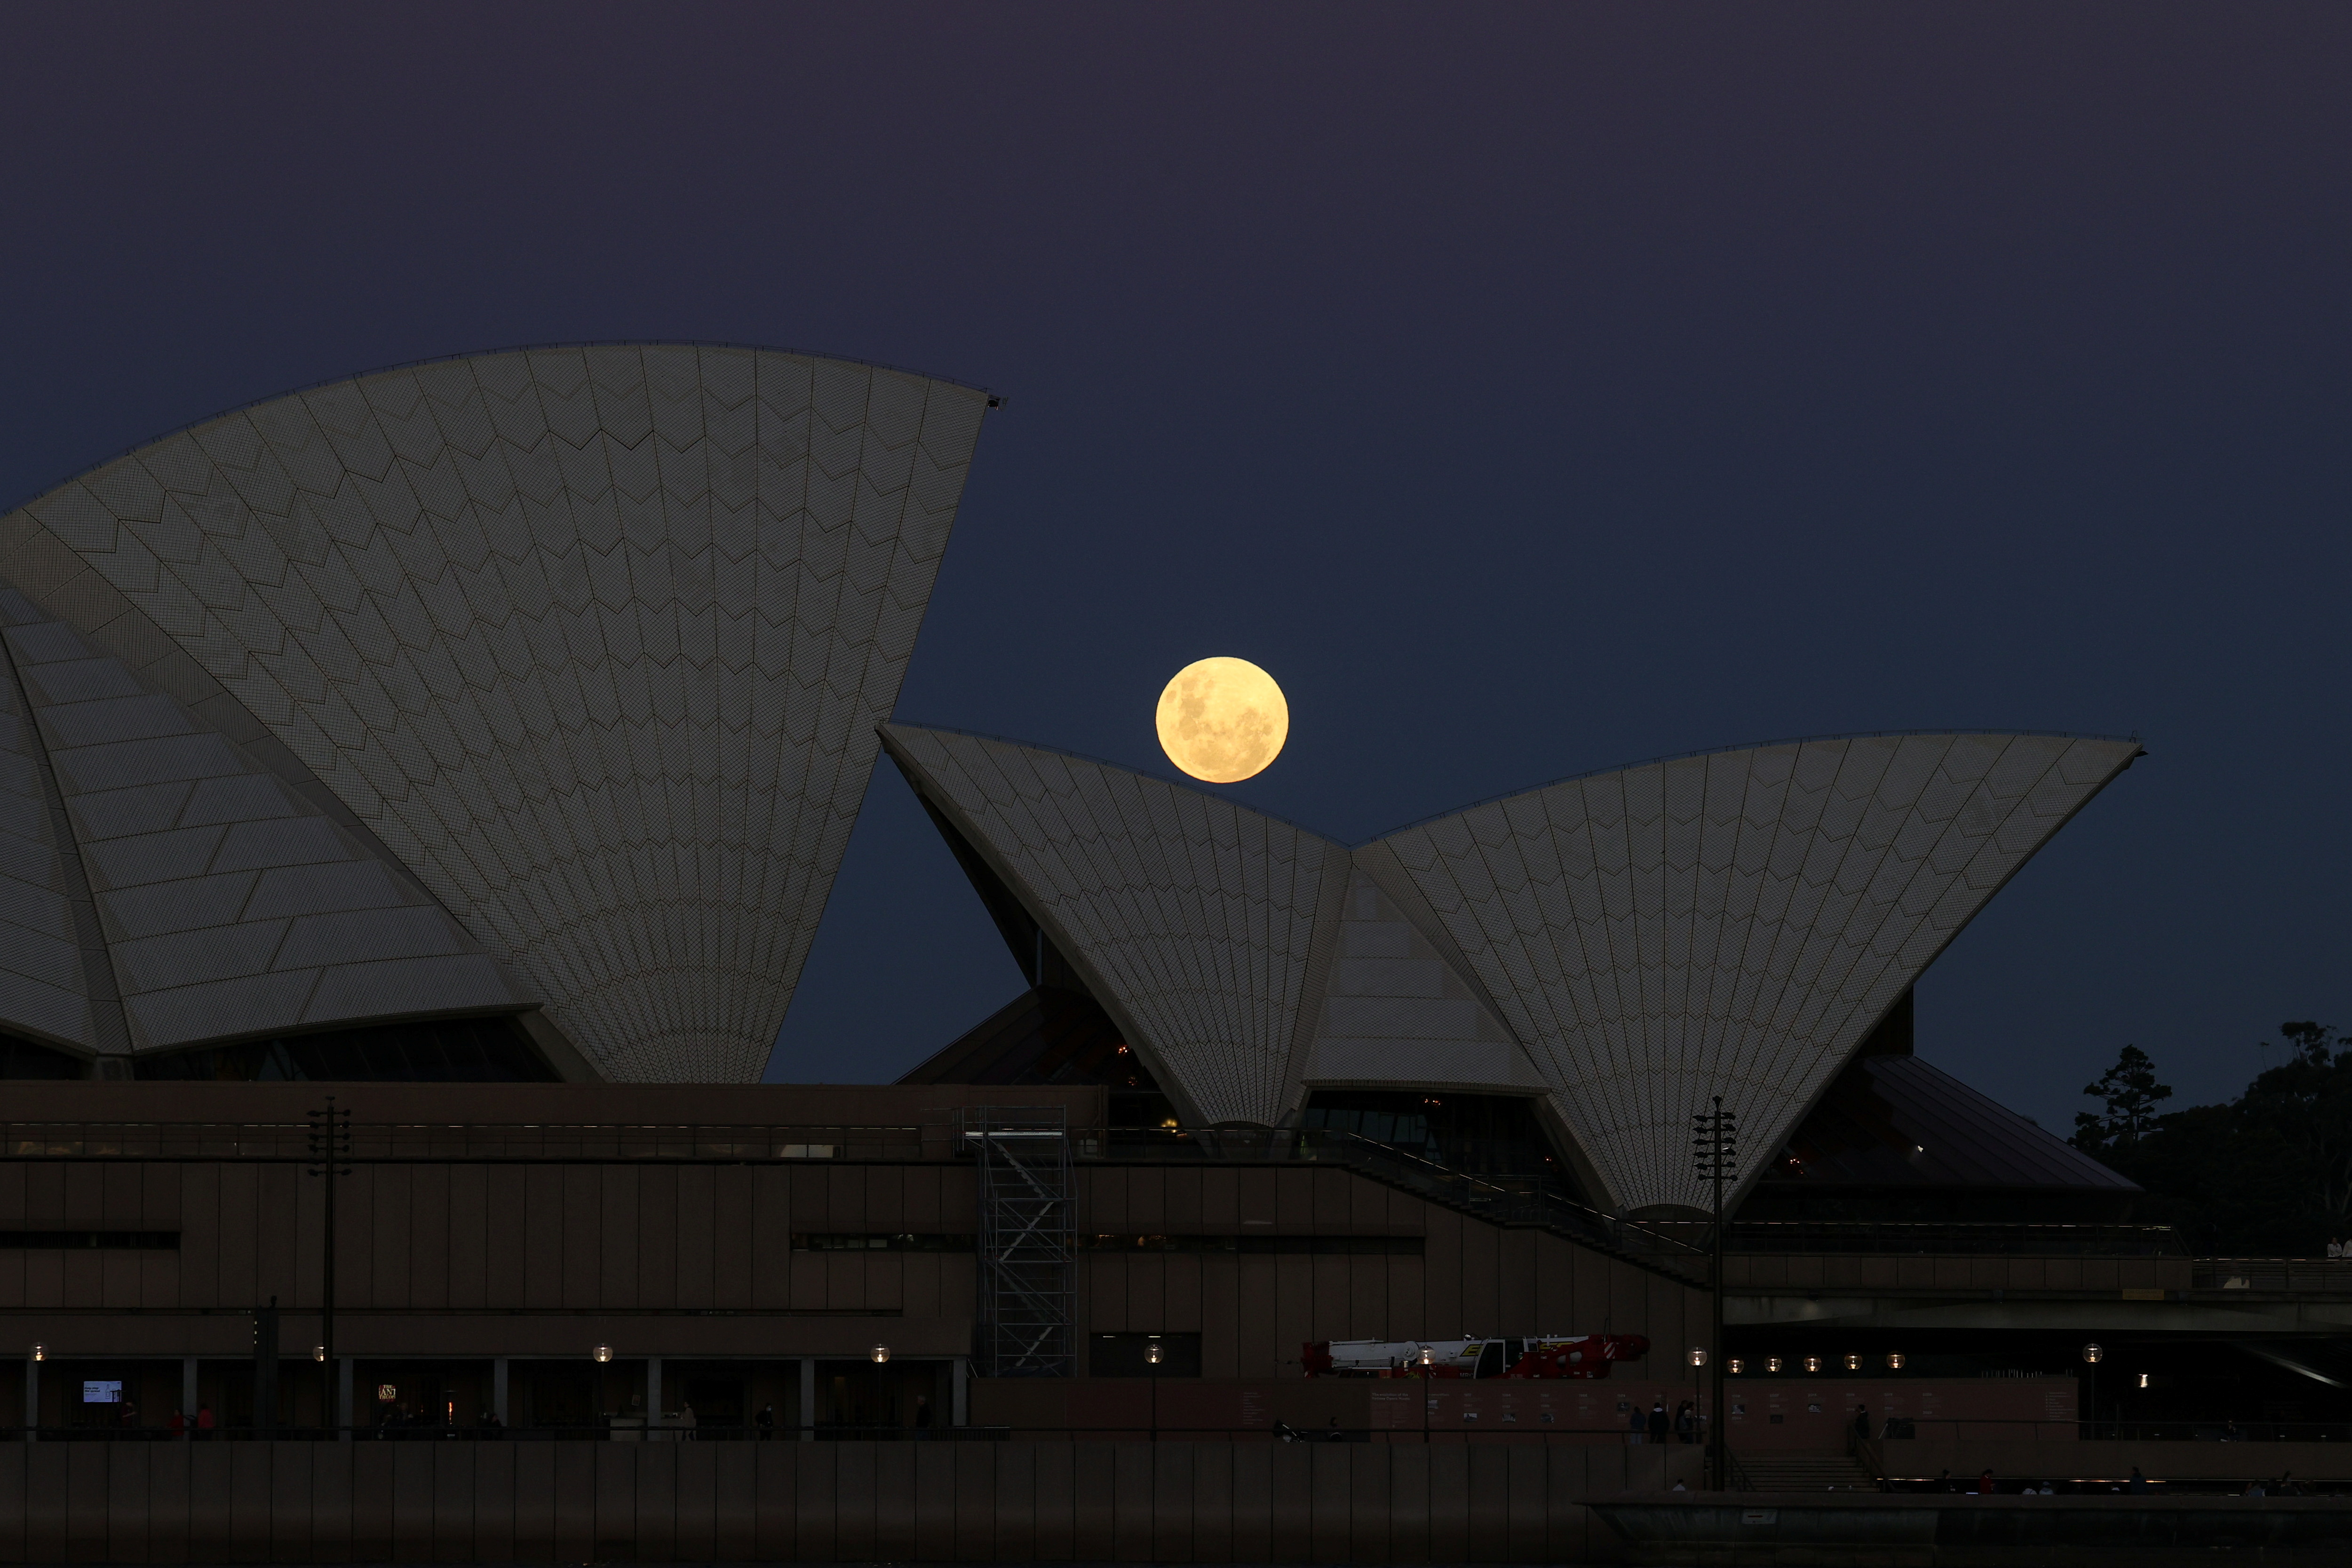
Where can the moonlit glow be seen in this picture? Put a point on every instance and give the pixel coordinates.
(1222, 720)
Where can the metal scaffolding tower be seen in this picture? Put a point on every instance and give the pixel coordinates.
(1028, 1297)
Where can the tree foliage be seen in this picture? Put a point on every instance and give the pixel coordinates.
(2267, 1173)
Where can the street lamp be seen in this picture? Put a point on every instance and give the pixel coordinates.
(2094, 1354)
(1715, 1154)
(1152, 1359)
(603, 1352)
(880, 1354)
(1426, 1356)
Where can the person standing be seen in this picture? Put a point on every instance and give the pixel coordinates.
(1985, 1487)
(203, 1423)
(766, 1421)
(179, 1422)
(1635, 1425)
(1686, 1422)
(1660, 1424)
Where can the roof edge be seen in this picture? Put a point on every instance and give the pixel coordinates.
(2132, 739)
(995, 399)
(1193, 785)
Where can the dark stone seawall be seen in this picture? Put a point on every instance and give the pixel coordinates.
(533, 1502)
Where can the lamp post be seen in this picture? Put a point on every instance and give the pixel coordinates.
(1151, 1360)
(1424, 1359)
(2094, 1354)
(331, 1145)
(1714, 1149)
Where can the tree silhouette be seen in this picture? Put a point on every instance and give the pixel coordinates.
(2131, 1093)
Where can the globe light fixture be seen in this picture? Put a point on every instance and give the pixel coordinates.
(1854, 1363)
(2094, 1353)
(1734, 1366)
(1698, 1355)
(40, 1352)
(1812, 1364)
(1893, 1361)
(880, 1352)
(603, 1352)
(318, 1352)
(1771, 1363)
(1150, 1353)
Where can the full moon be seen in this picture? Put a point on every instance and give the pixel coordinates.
(1222, 720)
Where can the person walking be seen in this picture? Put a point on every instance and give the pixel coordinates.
(1861, 1428)
(1660, 1423)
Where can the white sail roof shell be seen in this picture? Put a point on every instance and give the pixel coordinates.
(587, 644)
(1626, 945)
(1193, 917)
(1731, 924)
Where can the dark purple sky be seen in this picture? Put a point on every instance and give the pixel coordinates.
(1529, 389)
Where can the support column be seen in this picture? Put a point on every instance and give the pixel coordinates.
(499, 1389)
(188, 1390)
(960, 1378)
(808, 1400)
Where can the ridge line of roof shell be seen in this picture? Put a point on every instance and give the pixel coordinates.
(1181, 783)
(1746, 746)
(1524, 790)
(995, 399)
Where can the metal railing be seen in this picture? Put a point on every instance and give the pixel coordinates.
(606, 1431)
(391, 1142)
(1936, 1238)
(2113, 1429)
(2282, 1276)
(1500, 1199)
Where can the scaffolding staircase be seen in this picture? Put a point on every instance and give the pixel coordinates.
(1028, 1216)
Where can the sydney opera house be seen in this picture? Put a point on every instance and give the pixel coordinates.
(477, 742)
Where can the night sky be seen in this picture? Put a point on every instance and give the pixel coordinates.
(1529, 389)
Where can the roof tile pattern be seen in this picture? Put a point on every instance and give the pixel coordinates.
(45, 985)
(1732, 923)
(228, 906)
(594, 640)
(1394, 1012)
(1194, 915)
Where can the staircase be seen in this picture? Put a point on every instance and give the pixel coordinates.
(1801, 1469)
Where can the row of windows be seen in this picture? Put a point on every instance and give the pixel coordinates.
(1322, 1246)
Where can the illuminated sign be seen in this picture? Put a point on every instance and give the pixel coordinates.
(106, 1392)
(387, 1392)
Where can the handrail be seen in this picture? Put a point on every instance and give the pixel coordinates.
(1509, 1200)
(379, 1142)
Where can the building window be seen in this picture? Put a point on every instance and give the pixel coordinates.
(1319, 1246)
(830, 1241)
